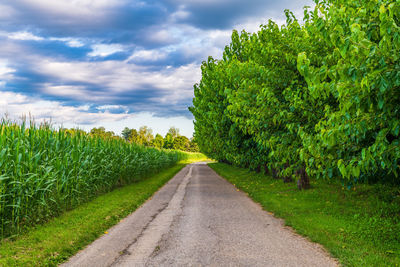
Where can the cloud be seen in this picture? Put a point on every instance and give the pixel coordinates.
(148, 55)
(112, 59)
(224, 14)
(71, 42)
(24, 36)
(18, 105)
(104, 50)
(5, 71)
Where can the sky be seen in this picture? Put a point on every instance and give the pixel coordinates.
(117, 63)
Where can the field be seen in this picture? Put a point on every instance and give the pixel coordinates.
(45, 172)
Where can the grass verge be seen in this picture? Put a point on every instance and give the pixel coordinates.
(54, 242)
(359, 227)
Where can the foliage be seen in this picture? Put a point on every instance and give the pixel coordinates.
(44, 172)
(158, 141)
(172, 140)
(145, 136)
(193, 147)
(168, 141)
(174, 132)
(102, 133)
(126, 132)
(181, 143)
(319, 98)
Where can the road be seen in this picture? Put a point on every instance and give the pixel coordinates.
(200, 219)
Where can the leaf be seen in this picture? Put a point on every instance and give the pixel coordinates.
(381, 102)
(356, 171)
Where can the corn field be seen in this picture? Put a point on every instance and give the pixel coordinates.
(44, 172)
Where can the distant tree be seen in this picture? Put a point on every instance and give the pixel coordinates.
(168, 141)
(101, 132)
(181, 143)
(73, 131)
(126, 132)
(174, 132)
(158, 141)
(193, 147)
(145, 136)
(133, 136)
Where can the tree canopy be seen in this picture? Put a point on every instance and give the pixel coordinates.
(319, 98)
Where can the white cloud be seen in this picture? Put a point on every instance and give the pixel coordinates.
(18, 105)
(113, 107)
(148, 55)
(104, 50)
(180, 14)
(6, 73)
(116, 78)
(77, 91)
(25, 36)
(71, 42)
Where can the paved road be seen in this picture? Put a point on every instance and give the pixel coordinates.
(199, 219)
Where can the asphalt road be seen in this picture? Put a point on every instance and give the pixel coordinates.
(199, 219)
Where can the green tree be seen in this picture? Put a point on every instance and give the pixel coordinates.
(145, 136)
(158, 141)
(168, 141)
(193, 147)
(134, 136)
(126, 133)
(101, 132)
(316, 99)
(174, 132)
(181, 143)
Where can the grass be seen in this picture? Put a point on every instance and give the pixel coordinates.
(54, 242)
(359, 227)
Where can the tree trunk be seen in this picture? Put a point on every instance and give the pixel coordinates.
(274, 173)
(304, 180)
(266, 170)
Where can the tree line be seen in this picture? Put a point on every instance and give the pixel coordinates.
(144, 136)
(319, 98)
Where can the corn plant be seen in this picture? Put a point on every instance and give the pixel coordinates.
(44, 172)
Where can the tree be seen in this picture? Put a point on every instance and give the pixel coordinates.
(145, 136)
(133, 136)
(174, 132)
(126, 132)
(168, 141)
(193, 147)
(181, 143)
(158, 141)
(316, 99)
(101, 132)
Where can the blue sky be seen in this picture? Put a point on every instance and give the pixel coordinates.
(117, 63)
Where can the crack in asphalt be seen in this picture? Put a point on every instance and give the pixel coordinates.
(148, 240)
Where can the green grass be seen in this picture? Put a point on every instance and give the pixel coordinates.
(359, 227)
(54, 242)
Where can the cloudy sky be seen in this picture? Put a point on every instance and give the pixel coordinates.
(117, 63)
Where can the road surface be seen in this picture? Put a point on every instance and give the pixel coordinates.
(200, 219)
